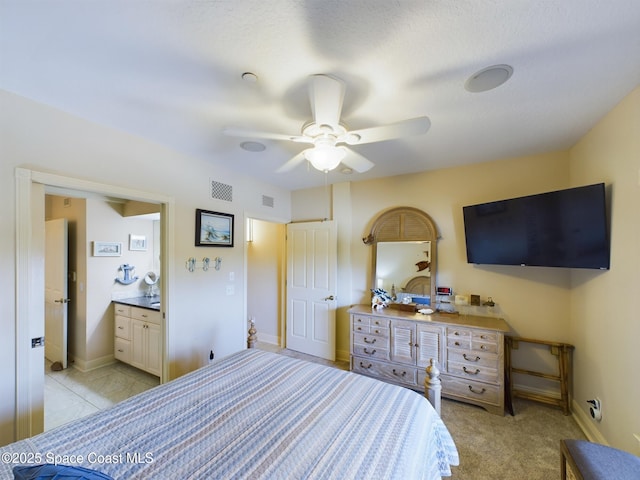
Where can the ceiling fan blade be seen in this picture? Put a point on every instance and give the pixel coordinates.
(293, 163)
(326, 95)
(405, 128)
(241, 132)
(356, 161)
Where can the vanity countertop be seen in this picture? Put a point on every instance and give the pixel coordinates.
(152, 303)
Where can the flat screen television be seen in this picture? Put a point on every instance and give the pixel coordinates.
(565, 228)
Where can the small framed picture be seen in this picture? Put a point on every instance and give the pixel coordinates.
(214, 229)
(138, 242)
(107, 249)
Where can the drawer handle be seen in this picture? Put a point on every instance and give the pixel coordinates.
(456, 333)
(457, 344)
(483, 336)
(476, 392)
(359, 329)
(483, 347)
(120, 327)
(376, 331)
(464, 355)
(377, 322)
(369, 341)
(403, 374)
(362, 365)
(470, 372)
(120, 350)
(372, 352)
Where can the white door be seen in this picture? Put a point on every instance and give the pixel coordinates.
(311, 288)
(55, 291)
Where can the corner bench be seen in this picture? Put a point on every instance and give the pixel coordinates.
(582, 460)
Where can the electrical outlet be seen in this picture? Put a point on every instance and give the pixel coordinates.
(231, 290)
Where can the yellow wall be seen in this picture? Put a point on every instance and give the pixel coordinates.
(605, 325)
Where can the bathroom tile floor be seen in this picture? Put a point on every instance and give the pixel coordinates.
(70, 394)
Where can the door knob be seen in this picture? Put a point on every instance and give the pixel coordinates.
(330, 297)
(62, 300)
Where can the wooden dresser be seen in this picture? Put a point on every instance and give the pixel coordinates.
(397, 346)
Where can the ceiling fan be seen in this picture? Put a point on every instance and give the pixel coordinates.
(329, 136)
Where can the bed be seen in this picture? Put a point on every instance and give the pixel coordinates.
(258, 415)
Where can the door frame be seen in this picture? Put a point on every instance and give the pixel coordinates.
(248, 216)
(30, 193)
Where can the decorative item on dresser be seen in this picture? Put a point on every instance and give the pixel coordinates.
(138, 337)
(397, 347)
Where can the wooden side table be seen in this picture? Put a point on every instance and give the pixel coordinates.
(562, 351)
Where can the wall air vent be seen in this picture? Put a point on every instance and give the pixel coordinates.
(221, 191)
(267, 201)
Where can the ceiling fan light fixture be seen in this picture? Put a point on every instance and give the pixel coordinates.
(325, 157)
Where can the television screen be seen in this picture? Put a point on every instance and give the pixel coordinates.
(565, 228)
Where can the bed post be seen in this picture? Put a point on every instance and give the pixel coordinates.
(432, 386)
(252, 338)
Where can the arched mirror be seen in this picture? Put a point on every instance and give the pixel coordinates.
(404, 241)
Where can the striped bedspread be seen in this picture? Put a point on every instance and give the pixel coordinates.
(255, 415)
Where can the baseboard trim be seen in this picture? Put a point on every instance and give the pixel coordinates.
(88, 365)
(586, 424)
(266, 338)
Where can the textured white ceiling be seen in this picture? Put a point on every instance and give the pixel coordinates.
(170, 71)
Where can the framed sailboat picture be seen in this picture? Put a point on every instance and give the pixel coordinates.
(213, 229)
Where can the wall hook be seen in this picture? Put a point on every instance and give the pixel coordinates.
(191, 264)
(205, 263)
(218, 261)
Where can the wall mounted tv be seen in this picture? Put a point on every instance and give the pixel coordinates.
(565, 228)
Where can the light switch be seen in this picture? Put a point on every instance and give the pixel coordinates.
(230, 290)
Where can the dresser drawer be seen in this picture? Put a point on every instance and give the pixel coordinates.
(368, 351)
(470, 358)
(459, 342)
(478, 391)
(146, 315)
(371, 339)
(122, 350)
(484, 337)
(462, 333)
(123, 327)
(474, 372)
(484, 347)
(361, 320)
(395, 373)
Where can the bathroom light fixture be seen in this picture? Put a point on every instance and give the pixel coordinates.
(325, 156)
(488, 78)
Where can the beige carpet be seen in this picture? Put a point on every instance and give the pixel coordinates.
(525, 446)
